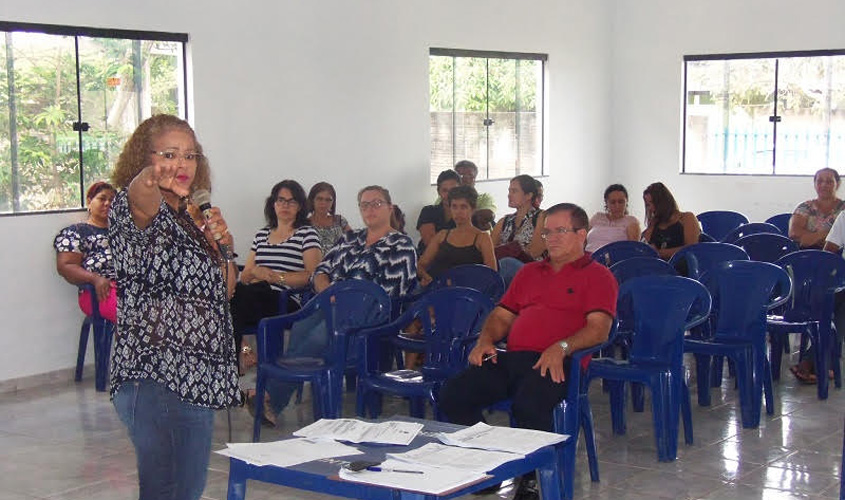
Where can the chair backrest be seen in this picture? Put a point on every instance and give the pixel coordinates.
(781, 221)
(766, 247)
(448, 316)
(641, 266)
(694, 260)
(476, 276)
(816, 277)
(750, 228)
(718, 223)
(617, 251)
(742, 292)
(663, 308)
(706, 238)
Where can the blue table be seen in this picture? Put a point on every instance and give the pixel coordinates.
(322, 475)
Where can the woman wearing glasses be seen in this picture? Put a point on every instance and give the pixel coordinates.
(330, 226)
(174, 359)
(378, 253)
(283, 255)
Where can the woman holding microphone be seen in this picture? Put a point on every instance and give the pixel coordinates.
(174, 354)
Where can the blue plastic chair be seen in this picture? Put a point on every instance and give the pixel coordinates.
(816, 277)
(750, 228)
(103, 334)
(701, 257)
(781, 221)
(664, 307)
(450, 318)
(617, 251)
(346, 307)
(766, 247)
(475, 276)
(706, 238)
(742, 293)
(624, 271)
(718, 223)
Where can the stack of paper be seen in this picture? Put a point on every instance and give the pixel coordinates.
(356, 431)
(452, 457)
(509, 439)
(425, 479)
(286, 453)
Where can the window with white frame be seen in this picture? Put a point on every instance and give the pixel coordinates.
(766, 114)
(69, 99)
(487, 107)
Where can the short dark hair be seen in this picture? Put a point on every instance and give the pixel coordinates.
(317, 189)
(298, 194)
(467, 193)
(578, 215)
(97, 188)
(448, 175)
(613, 188)
(466, 164)
(664, 203)
(827, 169)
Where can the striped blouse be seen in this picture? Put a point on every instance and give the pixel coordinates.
(287, 255)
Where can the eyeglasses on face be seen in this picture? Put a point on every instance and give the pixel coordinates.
(545, 233)
(287, 202)
(363, 205)
(173, 156)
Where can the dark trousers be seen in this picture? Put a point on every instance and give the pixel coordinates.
(251, 303)
(533, 397)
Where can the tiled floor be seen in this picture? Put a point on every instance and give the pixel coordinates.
(66, 442)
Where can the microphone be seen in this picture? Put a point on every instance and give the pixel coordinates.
(202, 198)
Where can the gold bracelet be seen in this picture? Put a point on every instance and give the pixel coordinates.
(282, 278)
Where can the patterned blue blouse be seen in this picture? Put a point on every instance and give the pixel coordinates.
(92, 242)
(390, 262)
(173, 322)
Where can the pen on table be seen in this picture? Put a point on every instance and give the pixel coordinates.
(382, 469)
(489, 357)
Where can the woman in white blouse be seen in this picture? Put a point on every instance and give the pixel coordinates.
(614, 224)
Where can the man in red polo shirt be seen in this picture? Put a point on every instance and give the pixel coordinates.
(555, 306)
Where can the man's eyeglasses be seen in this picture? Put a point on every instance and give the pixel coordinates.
(363, 205)
(288, 202)
(172, 156)
(545, 233)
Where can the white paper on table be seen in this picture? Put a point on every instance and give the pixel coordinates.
(471, 459)
(486, 437)
(433, 480)
(287, 452)
(356, 431)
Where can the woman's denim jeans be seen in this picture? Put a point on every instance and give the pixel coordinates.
(508, 267)
(172, 440)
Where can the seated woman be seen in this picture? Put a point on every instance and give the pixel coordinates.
(377, 253)
(283, 255)
(516, 237)
(83, 254)
(434, 218)
(465, 244)
(614, 224)
(322, 201)
(667, 228)
(812, 220)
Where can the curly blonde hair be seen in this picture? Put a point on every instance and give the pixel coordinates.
(136, 152)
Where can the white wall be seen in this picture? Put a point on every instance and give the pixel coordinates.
(356, 67)
(649, 41)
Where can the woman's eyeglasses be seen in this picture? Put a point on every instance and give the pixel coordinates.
(173, 156)
(371, 204)
(287, 202)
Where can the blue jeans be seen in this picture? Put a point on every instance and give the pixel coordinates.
(308, 339)
(508, 267)
(172, 440)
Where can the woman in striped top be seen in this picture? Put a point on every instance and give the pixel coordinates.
(283, 255)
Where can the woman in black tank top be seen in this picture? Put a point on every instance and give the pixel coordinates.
(667, 228)
(465, 244)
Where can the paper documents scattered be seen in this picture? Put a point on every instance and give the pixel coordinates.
(356, 431)
(433, 480)
(287, 452)
(438, 455)
(486, 437)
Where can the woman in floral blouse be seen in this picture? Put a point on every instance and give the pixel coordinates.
(174, 354)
